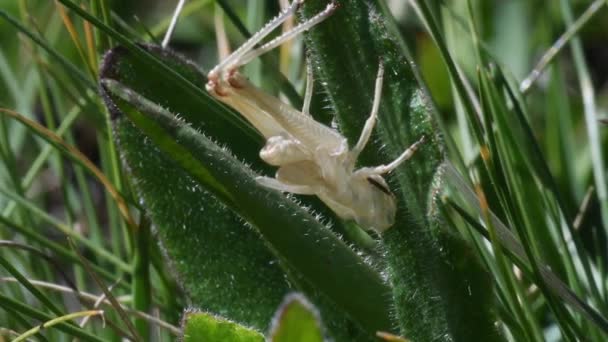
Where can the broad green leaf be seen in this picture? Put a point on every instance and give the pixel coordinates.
(296, 320)
(201, 326)
(221, 263)
(307, 248)
(439, 287)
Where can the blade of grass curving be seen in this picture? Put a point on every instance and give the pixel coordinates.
(21, 321)
(93, 298)
(69, 26)
(468, 98)
(392, 26)
(11, 304)
(294, 234)
(55, 321)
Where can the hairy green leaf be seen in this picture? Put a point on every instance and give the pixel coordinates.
(297, 320)
(201, 326)
(299, 240)
(220, 262)
(438, 286)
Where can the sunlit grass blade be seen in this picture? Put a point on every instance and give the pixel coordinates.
(74, 71)
(76, 156)
(11, 304)
(591, 115)
(55, 321)
(511, 244)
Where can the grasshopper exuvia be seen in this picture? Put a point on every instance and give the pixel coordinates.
(312, 159)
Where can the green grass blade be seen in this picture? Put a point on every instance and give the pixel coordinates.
(591, 116)
(11, 304)
(511, 244)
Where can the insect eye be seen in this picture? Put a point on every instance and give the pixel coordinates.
(380, 186)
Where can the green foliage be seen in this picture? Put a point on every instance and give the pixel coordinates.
(502, 213)
(198, 233)
(200, 326)
(424, 257)
(296, 321)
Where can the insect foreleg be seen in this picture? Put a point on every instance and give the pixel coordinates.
(371, 120)
(235, 59)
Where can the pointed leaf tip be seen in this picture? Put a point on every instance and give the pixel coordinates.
(296, 320)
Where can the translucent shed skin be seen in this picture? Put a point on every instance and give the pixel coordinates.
(312, 159)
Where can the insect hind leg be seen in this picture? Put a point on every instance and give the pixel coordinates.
(382, 169)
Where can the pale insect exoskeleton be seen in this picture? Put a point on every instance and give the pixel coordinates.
(312, 159)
